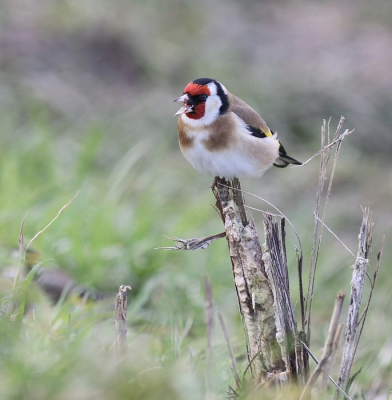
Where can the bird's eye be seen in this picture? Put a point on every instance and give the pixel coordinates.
(203, 97)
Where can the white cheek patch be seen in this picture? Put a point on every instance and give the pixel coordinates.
(212, 87)
(213, 104)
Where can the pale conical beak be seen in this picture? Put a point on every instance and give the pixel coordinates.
(186, 107)
(184, 97)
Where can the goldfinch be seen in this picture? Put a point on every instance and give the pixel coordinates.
(221, 135)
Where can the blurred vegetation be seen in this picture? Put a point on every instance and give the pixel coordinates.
(86, 90)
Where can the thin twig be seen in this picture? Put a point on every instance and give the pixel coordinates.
(325, 148)
(230, 349)
(336, 237)
(315, 229)
(192, 244)
(251, 361)
(22, 256)
(22, 252)
(270, 204)
(301, 290)
(51, 222)
(372, 284)
(330, 378)
(21, 237)
(23, 248)
(265, 212)
(324, 365)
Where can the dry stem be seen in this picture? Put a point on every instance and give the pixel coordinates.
(51, 222)
(324, 366)
(229, 348)
(357, 285)
(120, 319)
(317, 233)
(275, 262)
(23, 248)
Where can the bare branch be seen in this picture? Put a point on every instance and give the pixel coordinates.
(192, 244)
(327, 147)
(270, 204)
(357, 285)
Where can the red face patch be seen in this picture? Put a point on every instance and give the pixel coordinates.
(198, 113)
(194, 90)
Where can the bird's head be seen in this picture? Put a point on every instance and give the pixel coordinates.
(204, 100)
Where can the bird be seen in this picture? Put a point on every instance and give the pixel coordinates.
(56, 282)
(221, 135)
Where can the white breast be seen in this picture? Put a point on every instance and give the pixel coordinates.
(247, 156)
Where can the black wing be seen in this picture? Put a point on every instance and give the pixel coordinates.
(284, 159)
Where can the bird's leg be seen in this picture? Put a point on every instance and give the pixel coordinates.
(214, 184)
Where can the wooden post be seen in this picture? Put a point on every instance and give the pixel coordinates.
(254, 292)
(120, 319)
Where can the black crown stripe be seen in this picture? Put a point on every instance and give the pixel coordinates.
(224, 99)
(203, 81)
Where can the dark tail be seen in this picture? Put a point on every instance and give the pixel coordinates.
(284, 159)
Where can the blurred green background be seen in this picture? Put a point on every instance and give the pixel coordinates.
(86, 90)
